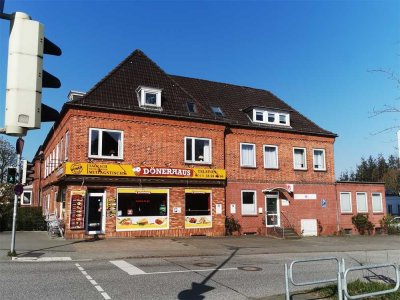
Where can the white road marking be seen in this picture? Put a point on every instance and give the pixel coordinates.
(132, 270)
(41, 259)
(98, 287)
(127, 267)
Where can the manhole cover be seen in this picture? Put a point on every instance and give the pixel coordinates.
(205, 265)
(250, 269)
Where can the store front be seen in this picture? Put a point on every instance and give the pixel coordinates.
(127, 201)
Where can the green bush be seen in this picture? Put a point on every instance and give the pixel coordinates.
(389, 225)
(361, 222)
(28, 218)
(232, 225)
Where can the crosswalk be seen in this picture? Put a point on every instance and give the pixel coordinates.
(133, 270)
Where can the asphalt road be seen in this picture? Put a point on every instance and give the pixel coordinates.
(233, 276)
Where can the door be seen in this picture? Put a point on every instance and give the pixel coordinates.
(95, 213)
(272, 210)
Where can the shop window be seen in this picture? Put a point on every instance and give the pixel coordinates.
(105, 143)
(26, 198)
(361, 199)
(197, 209)
(377, 202)
(249, 203)
(299, 159)
(319, 160)
(270, 157)
(142, 209)
(197, 150)
(345, 202)
(247, 155)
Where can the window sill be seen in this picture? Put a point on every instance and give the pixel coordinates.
(198, 163)
(248, 167)
(271, 168)
(301, 169)
(347, 213)
(249, 215)
(319, 170)
(106, 157)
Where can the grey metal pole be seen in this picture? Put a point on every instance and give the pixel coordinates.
(12, 250)
(287, 283)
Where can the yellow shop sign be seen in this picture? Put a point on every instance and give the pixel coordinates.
(118, 170)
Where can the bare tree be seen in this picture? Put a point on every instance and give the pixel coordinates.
(7, 158)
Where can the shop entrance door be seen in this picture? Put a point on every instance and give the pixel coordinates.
(95, 213)
(272, 210)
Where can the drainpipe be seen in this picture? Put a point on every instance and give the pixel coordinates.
(337, 209)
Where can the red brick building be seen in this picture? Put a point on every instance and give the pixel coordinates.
(144, 153)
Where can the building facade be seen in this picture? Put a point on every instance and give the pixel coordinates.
(144, 153)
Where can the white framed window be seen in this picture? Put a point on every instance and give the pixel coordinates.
(319, 159)
(197, 150)
(345, 202)
(149, 97)
(217, 111)
(377, 202)
(249, 202)
(270, 117)
(61, 150)
(66, 146)
(247, 155)
(362, 204)
(57, 154)
(299, 159)
(270, 157)
(105, 143)
(26, 198)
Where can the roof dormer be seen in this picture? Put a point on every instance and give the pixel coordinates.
(267, 116)
(149, 97)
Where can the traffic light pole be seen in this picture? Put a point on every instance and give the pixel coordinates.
(12, 250)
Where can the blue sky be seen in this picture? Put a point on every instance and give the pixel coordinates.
(315, 55)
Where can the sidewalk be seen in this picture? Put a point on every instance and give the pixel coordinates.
(39, 244)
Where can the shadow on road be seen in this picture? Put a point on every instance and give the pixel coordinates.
(198, 289)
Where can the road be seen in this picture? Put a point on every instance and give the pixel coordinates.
(233, 276)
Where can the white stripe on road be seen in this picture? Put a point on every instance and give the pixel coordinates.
(98, 287)
(127, 267)
(132, 270)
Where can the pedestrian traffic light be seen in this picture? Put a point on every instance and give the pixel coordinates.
(26, 77)
(28, 171)
(11, 175)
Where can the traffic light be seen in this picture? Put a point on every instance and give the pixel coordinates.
(26, 77)
(28, 171)
(11, 175)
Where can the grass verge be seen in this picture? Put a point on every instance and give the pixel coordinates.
(359, 287)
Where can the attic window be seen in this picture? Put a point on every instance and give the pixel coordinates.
(217, 111)
(191, 107)
(270, 117)
(149, 97)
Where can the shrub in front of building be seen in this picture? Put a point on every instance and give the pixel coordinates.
(362, 224)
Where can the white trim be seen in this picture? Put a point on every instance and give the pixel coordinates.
(278, 209)
(141, 93)
(305, 158)
(324, 159)
(193, 161)
(366, 202)
(103, 213)
(276, 116)
(276, 155)
(66, 145)
(381, 200)
(100, 144)
(254, 156)
(22, 198)
(255, 203)
(350, 200)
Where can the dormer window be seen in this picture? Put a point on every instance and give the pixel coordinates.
(217, 111)
(270, 117)
(191, 107)
(149, 97)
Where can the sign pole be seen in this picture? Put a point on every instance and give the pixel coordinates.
(19, 148)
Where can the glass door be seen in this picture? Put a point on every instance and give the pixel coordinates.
(272, 210)
(95, 213)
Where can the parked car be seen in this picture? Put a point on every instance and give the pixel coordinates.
(394, 227)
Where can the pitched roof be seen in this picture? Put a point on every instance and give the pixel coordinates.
(117, 91)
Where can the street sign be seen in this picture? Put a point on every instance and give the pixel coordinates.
(18, 189)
